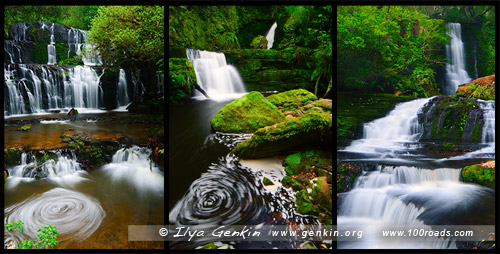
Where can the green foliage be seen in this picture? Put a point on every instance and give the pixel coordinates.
(74, 16)
(291, 100)
(47, 238)
(203, 27)
(128, 35)
(75, 60)
(13, 226)
(479, 175)
(388, 49)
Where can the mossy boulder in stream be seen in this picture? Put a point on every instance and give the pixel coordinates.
(314, 128)
(259, 42)
(292, 99)
(12, 156)
(451, 119)
(482, 88)
(246, 114)
(482, 174)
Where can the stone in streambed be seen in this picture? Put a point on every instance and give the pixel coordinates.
(313, 128)
(259, 42)
(246, 115)
(482, 174)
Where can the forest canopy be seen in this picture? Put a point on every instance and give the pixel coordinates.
(401, 48)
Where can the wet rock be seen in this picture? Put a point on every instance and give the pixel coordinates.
(311, 129)
(482, 174)
(259, 42)
(482, 88)
(73, 112)
(25, 128)
(267, 182)
(292, 100)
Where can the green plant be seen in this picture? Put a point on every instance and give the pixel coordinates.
(45, 239)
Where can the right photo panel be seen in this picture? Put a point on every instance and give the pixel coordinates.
(416, 127)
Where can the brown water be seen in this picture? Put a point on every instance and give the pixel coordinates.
(124, 200)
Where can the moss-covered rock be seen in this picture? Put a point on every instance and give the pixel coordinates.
(451, 119)
(246, 115)
(292, 99)
(182, 80)
(259, 42)
(12, 156)
(311, 129)
(320, 162)
(482, 88)
(316, 201)
(482, 174)
(26, 127)
(347, 173)
(267, 182)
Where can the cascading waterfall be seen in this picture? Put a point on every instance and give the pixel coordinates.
(85, 84)
(456, 73)
(122, 93)
(51, 48)
(214, 75)
(133, 165)
(270, 35)
(63, 170)
(393, 132)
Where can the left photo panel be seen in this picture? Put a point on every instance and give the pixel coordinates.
(83, 113)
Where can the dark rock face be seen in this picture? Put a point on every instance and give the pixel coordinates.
(451, 119)
(28, 42)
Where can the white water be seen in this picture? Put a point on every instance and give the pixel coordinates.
(456, 73)
(397, 196)
(64, 171)
(122, 93)
(218, 79)
(74, 214)
(393, 132)
(51, 48)
(83, 89)
(270, 35)
(133, 166)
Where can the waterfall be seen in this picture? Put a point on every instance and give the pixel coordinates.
(392, 132)
(122, 94)
(456, 73)
(214, 75)
(11, 48)
(133, 166)
(270, 35)
(84, 82)
(51, 48)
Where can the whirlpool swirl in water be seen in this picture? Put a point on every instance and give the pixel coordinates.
(227, 194)
(75, 215)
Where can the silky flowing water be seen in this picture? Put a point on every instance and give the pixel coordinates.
(408, 188)
(90, 208)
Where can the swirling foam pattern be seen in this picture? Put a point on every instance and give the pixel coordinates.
(227, 194)
(75, 215)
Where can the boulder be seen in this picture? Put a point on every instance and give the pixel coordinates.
(451, 119)
(313, 128)
(482, 174)
(482, 88)
(73, 112)
(246, 115)
(259, 42)
(292, 99)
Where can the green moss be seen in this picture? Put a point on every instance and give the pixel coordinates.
(347, 174)
(313, 203)
(479, 175)
(267, 182)
(61, 51)
(454, 112)
(12, 156)
(259, 42)
(182, 80)
(246, 115)
(26, 127)
(312, 128)
(292, 99)
(75, 60)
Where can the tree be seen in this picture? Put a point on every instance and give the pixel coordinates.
(130, 36)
